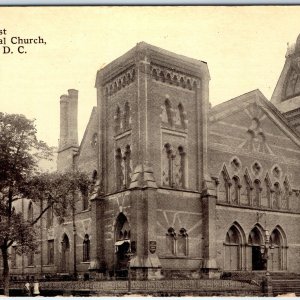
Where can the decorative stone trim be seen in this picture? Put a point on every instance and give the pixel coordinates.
(173, 77)
(121, 81)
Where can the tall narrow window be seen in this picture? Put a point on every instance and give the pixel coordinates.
(86, 248)
(182, 170)
(235, 190)
(286, 195)
(14, 256)
(30, 259)
(117, 120)
(127, 163)
(182, 243)
(50, 252)
(233, 249)
(171, 241)
(223, 187)
(277, 196)
(169, 112)
(257, 190)
(119, 171)
(126, 116)
(30, 212)
(181, 114)
(169, 165)
(50, 216)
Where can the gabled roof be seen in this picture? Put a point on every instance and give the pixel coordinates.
(239, 103)
(93, 115)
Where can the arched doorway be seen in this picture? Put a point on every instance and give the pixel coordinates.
(65, 254)
(255, 241)
(277, 252)
(233, 249)
(122, 244)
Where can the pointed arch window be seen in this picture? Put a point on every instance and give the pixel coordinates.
(257, 192)
(126, 116)
(169, 112)
(277, 196)
(182, 243)
(223, 187)
(118, 120)
(171, 241)
(119, 171)
(277, 252)
(181, 115)
(233, 251)
(266, 193)
(50, 215)
(286, 195)
(235, 190)
(86, 248)
(168, 165)
(127, 164)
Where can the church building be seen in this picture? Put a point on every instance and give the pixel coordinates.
(181, 190)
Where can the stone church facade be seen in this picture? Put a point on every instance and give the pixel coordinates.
(189, 190)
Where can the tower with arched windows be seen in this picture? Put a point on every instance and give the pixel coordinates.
(184, 189)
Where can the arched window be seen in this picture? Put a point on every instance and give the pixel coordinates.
(179, 168)
(50, 215)
(255, 241)
(127, 164)
(122, 241)
(167, 170)
(277, 196)
(119, 171)
(233, 243)
(182, 243)
(277, 251)
(171, 241)
(86, 248)
(30, 258)
(30, 212)
(266, 193)
(223, 187)
(169, 112)
(235, 190)
(118, 120)
(286, 195)
(256, 195)
(126, 116)
(181, 114)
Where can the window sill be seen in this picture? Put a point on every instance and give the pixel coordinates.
(85, 262)
(52, 265)
(179, 257)
(32, 266)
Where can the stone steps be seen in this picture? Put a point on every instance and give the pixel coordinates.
(284, 286)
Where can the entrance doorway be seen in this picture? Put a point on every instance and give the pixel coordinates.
(65, 254)
(257, 259)
(122, 244)
(256, 241)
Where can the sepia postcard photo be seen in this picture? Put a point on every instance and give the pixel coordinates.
(150, 150)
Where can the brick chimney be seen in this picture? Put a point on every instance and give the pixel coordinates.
(68, 120)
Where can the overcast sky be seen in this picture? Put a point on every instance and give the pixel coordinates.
(244, 47)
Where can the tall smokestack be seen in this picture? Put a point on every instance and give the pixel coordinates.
(64, 100)
(73, 116)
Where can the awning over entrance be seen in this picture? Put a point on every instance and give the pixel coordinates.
(119, 243)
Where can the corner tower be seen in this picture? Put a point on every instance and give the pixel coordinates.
(152, 109)
(286, 96)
